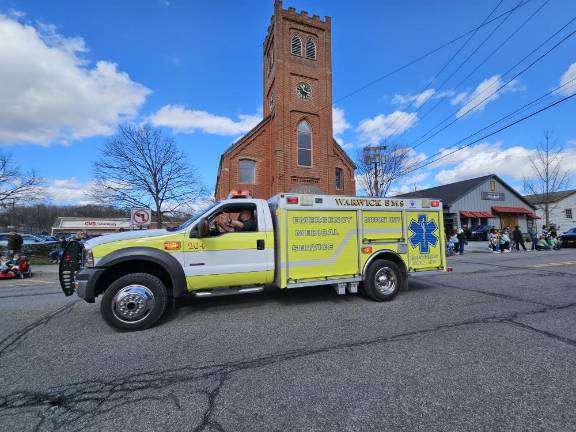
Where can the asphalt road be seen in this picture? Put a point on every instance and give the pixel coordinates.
(491, 346)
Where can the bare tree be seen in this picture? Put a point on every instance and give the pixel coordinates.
(15, 186)
(379, 167)
(140, 167)
(548, 174)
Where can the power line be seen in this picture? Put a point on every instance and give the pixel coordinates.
(426, 87)
(395, 132)
(425, 55)
(509, 125)
(489, 55)
(504, 42)
(458, 117)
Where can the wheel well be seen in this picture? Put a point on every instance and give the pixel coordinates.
(390, 256)
(133, 266)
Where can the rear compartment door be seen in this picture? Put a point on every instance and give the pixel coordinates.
(321, 244)
(425, 242)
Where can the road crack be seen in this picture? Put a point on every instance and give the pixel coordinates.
(79, 404)
(13, 340)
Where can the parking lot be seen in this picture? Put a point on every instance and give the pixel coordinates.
(491, 346)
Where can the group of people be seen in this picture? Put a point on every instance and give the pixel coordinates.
(12, 261)
(506, 239)
(502, 241)
(455, 242)
(56, 254)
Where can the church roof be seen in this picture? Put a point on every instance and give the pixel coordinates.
(248, 135)
(343, 153)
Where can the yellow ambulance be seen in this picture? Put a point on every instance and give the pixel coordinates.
(242, 245)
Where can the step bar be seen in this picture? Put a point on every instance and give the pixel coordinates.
(228, 291)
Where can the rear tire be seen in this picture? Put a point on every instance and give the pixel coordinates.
(383, 280)
(134, 302)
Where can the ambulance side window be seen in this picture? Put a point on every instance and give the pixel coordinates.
(233, 218)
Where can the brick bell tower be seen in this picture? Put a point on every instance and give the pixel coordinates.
(292, 149)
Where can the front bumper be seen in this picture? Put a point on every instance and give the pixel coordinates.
(86, 283)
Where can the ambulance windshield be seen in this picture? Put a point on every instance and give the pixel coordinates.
(194, 217)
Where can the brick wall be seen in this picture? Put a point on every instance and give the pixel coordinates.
(273, 143)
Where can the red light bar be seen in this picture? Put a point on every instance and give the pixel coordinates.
(435, 203)
(292, 200)
(237, 193)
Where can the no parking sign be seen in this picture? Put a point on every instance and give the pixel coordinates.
(141, 216)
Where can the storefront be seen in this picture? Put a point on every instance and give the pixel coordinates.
(482, 201)
(94, 226)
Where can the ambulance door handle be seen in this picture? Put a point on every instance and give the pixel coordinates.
(260, 244)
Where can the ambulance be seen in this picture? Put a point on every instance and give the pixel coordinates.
(244, 245)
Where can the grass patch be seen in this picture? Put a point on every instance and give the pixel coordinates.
(39, 260)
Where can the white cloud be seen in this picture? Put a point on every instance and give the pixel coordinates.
(484, 93)
(339, 123)
(568, 76)
(184, 120)
(420, 99)
(50, 93)
(459, 98)
(410, 183)
(572, 142)
(486, 158)
(67, 191)
(375, 129)
(417, 100)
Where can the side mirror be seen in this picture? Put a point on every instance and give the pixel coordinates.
(201, 229)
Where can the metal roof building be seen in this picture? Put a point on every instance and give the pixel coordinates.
(479, 201)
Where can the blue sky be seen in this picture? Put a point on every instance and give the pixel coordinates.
(71, 71)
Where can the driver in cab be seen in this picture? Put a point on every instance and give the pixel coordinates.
(244, 223)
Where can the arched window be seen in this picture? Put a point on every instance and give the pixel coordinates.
(271, 58)
(339, 179)
(304, 144)
(247, 171)
(311, 49)
(296, 46)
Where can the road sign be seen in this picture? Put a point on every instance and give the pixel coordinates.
(141, 216)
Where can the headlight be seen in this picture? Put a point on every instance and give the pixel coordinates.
(88, 260)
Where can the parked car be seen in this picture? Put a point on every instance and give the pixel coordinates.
(480, 233)
(468, 231)
(568, 239)
(29, 239)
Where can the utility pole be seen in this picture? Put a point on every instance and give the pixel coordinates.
(374, 155)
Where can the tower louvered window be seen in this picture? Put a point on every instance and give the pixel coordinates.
(311, 49)
(296, 46)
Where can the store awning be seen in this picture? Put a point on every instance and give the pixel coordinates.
(475, 214)
(533, 215)
(514, 210)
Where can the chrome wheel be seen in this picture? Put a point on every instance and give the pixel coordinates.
(133, 303)
(385, 280)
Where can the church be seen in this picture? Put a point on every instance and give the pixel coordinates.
(293, 148)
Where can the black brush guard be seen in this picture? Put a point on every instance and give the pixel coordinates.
(70, 263)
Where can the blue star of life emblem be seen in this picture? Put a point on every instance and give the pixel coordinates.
(423, 233)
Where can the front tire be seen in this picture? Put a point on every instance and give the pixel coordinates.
(383, 280)
(134, 302)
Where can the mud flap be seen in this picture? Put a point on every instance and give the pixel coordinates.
(69, 265)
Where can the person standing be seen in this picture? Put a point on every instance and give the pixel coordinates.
(533, 237)
(14, 244)
(461, 240)
(518, 238)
